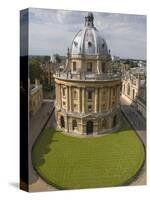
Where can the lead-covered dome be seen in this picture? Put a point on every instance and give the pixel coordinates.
(88, 40)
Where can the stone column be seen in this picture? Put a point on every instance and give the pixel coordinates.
(100, 100)
(95, 128)
(67, 124)
(96, 100)
(67, 98)
(100, 67)
(70, 98)
(110, 99)
(83, 100)
(98, 64)
(109, 93)
(81, 127)
(56, 89)
(80, 100)
(118, 93)
(60, 96)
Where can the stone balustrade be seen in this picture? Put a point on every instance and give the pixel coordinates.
(87, 76)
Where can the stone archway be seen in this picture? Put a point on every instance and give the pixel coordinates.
(89, 127)
(62, 122)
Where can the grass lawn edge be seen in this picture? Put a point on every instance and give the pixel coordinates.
(127, 182)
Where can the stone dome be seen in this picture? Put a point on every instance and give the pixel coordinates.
(88, 40)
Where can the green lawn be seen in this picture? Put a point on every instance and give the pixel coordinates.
(70, 162)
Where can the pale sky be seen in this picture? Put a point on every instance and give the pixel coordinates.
(52, 31)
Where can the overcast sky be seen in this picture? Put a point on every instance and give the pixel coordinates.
(52, 31)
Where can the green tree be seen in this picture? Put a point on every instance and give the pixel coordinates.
(35, 71)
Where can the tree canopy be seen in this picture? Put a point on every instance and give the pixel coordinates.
(35, 70)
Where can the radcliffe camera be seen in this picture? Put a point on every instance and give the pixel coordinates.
(83, 100)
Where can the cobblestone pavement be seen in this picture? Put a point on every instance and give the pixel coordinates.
(37, 122)
(139, 124)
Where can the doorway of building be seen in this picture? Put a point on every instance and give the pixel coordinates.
(62, 122)
(89, 127)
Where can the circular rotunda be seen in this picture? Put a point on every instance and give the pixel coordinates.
(87, 90)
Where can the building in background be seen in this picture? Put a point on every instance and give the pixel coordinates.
(48, 69)
(35, 97)
(134, 88)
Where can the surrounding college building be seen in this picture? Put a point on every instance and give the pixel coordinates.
(134, 89)
(87, 90)
(35, 97)
(48, 69)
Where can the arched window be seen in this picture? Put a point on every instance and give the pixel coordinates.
(62, 122)
(103, 107)
(128, 90)
(89, 95)
(89, 67)
(74, 124)
(75, 94)
(89, 108)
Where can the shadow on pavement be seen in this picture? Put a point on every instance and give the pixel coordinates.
(33, 176)
(136, 121)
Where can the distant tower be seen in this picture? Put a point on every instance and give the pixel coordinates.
(87, 91)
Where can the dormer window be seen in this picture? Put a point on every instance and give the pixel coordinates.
(75, 43)
(89, 44)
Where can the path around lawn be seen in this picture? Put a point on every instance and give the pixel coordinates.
(139, 124)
